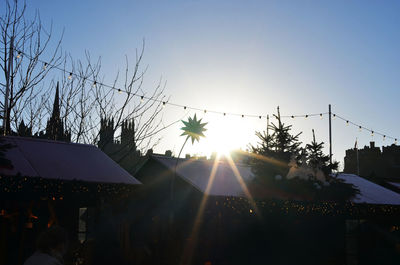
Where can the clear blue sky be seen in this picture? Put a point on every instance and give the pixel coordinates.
(251, 56)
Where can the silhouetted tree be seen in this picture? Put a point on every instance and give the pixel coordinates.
(82, 102)
(275, 150)
(316, 158)
(285, 170)
(24, 75)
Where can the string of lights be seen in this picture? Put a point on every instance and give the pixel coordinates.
(305, 115)
(143, 97)
(360, 128)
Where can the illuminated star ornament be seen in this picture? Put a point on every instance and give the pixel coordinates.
(194, 128)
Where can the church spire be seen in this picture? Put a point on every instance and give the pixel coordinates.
(56, 104)
(55, 126)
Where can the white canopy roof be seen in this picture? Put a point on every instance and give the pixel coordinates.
(198, 173)
(394, 184)
(370, 192)
(59, 160)
(226, 182)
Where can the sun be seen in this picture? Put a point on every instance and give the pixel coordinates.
(223, 149)
(224, 136)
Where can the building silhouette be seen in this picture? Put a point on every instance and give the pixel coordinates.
(54, 127)
(374, 162)
(123, 151)
(23, 130)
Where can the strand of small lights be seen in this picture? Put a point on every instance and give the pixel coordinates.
(360, 128)
(243, 206)
(71, 74)
(25, 187)
(306, 115)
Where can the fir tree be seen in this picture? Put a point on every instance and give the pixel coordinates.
(316, 159)
(282, 140)
(275, 150)
(309, 177)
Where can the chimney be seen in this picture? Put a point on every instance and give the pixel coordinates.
(372, 145)
(168, 153)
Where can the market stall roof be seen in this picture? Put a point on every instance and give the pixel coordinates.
(371, 193)
(198, 173)
(34, 157)
(394, 184)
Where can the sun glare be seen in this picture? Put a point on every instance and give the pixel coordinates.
(223, 149)
(220, 140)
(225, 135)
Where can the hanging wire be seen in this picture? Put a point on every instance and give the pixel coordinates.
(360, 127)
(304, 115)
(185, 107)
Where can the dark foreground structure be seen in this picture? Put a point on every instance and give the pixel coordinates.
(45, 182)
(201, 214)
(207, 218)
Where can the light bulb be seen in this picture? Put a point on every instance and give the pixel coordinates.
(395, 141)
(372, 133)
(292, 117)
(384, 137)
(184, 107)
(224, 114)
(44, 66)
(119, 90)
(19, 55)
(347, 123)
(359, 128)
(259, 117)
(205, 111)
(334, 116)
(306, 116)
(320, 115)
(70, 76)
(163, 104)
(94, 83)
(141, 99)
(242, 116)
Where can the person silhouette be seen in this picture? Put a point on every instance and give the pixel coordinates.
(51, 246)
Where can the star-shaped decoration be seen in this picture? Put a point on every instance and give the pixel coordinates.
(194, 128)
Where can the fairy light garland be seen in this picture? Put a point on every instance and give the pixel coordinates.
(56, 189)
(360, 128)
(205, 111)
(243, 207)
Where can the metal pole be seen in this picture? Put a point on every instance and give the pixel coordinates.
(330, 135)
(10, 61)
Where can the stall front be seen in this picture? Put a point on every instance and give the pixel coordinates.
(46, 182)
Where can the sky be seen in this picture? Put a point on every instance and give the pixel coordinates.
(250, 57)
